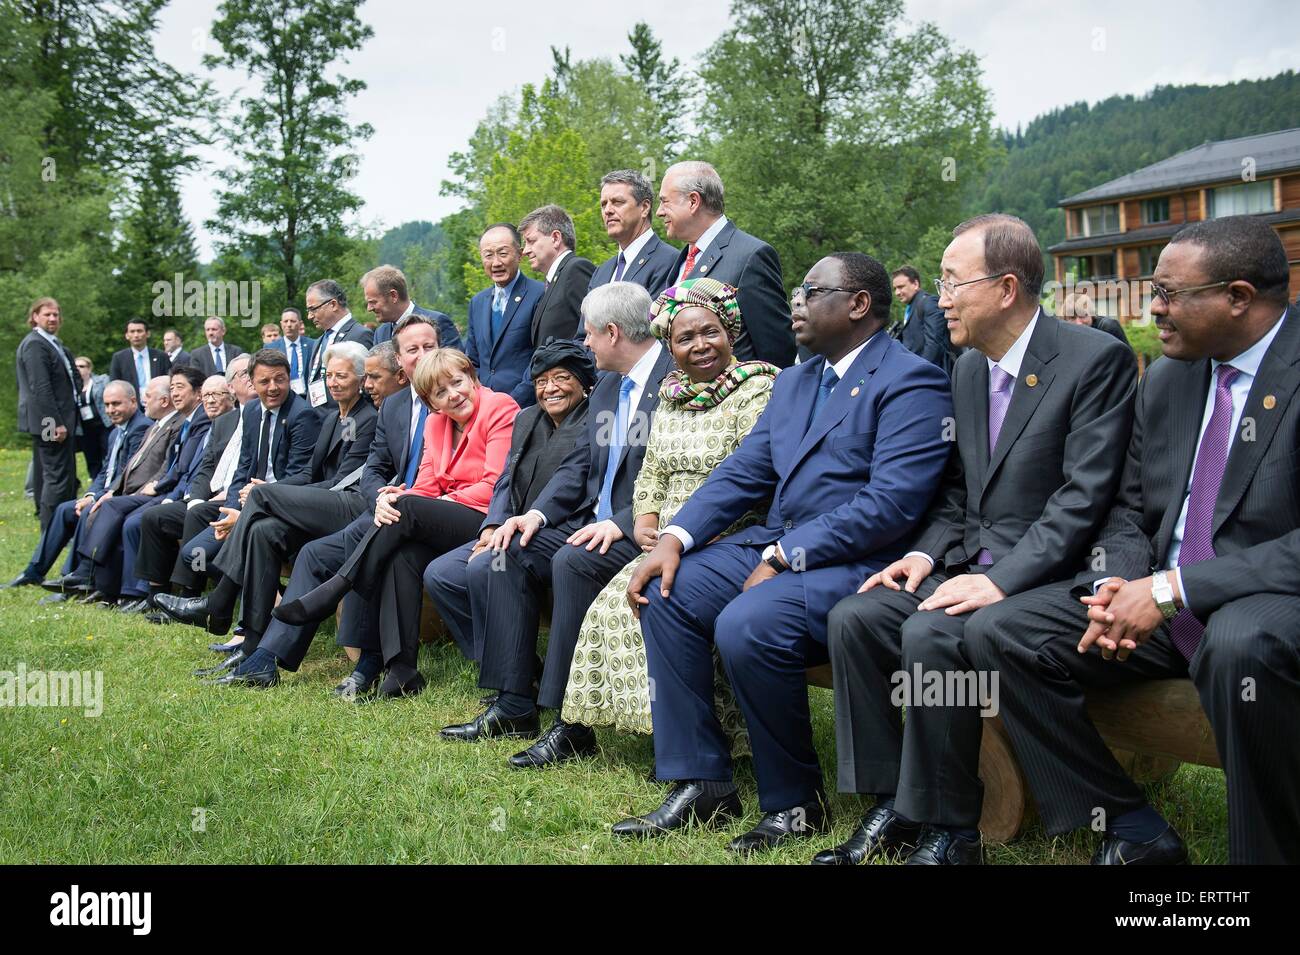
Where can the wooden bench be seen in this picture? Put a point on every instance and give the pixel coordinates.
(1151, 727)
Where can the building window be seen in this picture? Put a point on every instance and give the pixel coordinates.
(1101, 220)
(1155, 210)
(1248, 198)
(1090, 268)
(1148, 255)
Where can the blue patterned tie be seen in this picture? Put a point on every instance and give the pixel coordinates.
(417, 449)
(498, 311)
(829, 381)
(141, 373)
(295, 370)
(617, 441)
(219, 358)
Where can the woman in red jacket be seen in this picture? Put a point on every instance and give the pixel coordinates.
(466, 441)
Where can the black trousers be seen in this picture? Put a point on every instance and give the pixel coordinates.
(516, 587)
(876, 641)
(388, 569)
(160, 541)
(1247, 673)
(92, 444)
(199, 546)
(277, 520)
(54, 477)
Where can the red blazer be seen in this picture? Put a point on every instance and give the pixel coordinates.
(468, 476)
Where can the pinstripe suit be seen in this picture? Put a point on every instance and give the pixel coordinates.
(1246, 667)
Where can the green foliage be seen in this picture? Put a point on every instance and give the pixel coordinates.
(285, 205)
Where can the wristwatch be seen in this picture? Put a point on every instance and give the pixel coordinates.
(1163, 594)
(772, 560)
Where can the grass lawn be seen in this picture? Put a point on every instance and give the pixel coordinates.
(172, 771)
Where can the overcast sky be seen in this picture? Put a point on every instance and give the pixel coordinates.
(432, 73)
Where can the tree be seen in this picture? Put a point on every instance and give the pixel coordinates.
(156, 243)
(284, 207)
(833, 129)
(667, 83)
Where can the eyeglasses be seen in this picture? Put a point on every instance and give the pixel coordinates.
(312, 309)
(1167, 295)
(213, 395)
(560, 378)
(807, 292)
(941, 285)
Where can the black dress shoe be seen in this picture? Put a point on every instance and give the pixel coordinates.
(686, 804)
(22, 580)
(224, 647)
(68, 583)
(159, 618)
(798, 822)
(94, 597)
(229, 663)
(881, 832)
(354, 687)
(53, 599)
(315, 605)
(392, 688)
(260, 680)
(1167, 848)
(191, 610)
(563, 741)
(942, 847)
(132, 605)
(490, 724)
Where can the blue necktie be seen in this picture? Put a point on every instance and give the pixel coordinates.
(113, 457)
(295, 370)
(498, 311)
(829, 381)
(174, 454)
(618, 268)
(141, 372)
(417, 449)
(219, 358)
(604, 507)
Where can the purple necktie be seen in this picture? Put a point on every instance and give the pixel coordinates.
(1198, 529)
(999, 398)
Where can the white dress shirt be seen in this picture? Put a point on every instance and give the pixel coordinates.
(555, 266)
(703, 243)
(634, 249)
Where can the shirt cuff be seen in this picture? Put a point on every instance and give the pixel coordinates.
(1182, 592)
(682, 535)
(540, 516)
(190, 505)
(921, 553)
(1096, 584)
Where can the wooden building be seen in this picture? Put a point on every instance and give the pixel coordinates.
(1115, 231)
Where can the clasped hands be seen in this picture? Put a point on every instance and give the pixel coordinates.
(1122, 614)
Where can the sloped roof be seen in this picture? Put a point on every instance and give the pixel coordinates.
(1152, 234)
(1208, 162)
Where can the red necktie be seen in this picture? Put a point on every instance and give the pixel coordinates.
(690, 261)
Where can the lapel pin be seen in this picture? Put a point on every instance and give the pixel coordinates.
(1031, 380)
(519, 298)
(640, 261)
(1270, 402)
(854, 392)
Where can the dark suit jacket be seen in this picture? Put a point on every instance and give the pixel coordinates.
(150, 461)
(926, 332)
(570, 496)
(200, 485)
(558, 311)
(503, 363)
(45, 392)
(753, 268)
(1039, 500)
(848, 488)
(339, 450)
(182, 358)
(386, 463)
(353, 332)
(201, 357)
(296, 428)
(1256, 529)
(448, 333)
(122, 365)
(183, 457)
(653, 269)
(537, 449)
(135, 431)
(1111, 327)
(306, 350)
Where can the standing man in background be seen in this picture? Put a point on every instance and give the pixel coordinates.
(296, 346)
(49, 407)
(549, 241)
(174, 348)
(327, 306)
(923, 330)
(626, 198)
(138, 363)
(213, 358)
(500, 339)
(388, 298)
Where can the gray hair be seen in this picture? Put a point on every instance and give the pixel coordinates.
(215, 378)
(354, 352)
(700, 177)
(386, 352)
(551, 218)
(236, 365)
(124, 386)
(329, 289)
(624, 304)
(387, 278)
(214, 318)
(642, 190)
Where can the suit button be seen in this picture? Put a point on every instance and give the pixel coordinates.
(789, 524)
(986, 523)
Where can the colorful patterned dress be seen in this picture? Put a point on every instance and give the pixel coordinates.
(608, 683)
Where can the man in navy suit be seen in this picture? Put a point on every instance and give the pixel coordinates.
(296, 346)
(691, 207)
(138, 363)
(849, 452)
(327, 306)
(576, 537)
(279, 435)
(500, 339)
(129, 427)
(923, 330)
(388, 298)
(626, 198)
